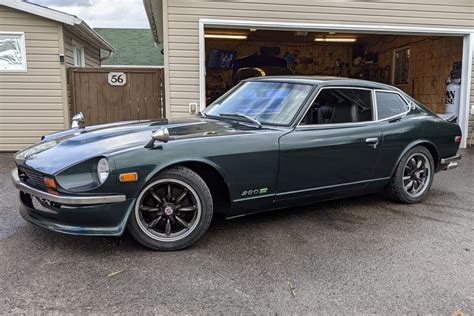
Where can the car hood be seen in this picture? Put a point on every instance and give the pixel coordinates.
(58, 151)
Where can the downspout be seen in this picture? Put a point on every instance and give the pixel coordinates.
(109, 55)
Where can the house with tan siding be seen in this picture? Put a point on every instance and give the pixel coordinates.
(37, 45)
(415, 45)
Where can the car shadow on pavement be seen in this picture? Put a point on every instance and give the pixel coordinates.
(337, 215)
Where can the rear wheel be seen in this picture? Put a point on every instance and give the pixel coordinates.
(413, 177)
(172, 211)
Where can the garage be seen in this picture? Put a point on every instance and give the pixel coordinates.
(420, 65)
(415, 46)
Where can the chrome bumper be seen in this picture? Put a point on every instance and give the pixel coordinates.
(64, 199)
(450, 163)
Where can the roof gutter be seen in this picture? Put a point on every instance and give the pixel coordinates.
(93, 36)
(155, 21)
(76, 24)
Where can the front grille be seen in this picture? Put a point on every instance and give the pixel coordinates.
(32, 177)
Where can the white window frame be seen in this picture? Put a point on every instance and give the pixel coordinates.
(77, 45)
(394, 64)
(24, 66)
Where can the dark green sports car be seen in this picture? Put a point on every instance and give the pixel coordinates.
(269, 143)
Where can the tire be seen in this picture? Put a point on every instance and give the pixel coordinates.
(410, 170)
(163, 217)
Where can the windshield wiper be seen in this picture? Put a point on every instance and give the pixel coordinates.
(240, 115)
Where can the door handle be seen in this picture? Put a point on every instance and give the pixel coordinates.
(372, 141)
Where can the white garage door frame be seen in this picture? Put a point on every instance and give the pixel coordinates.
(468, 46)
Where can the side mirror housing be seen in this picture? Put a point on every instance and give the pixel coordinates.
(162, 135)
(78, 121)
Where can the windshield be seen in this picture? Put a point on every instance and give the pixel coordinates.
(265, 101)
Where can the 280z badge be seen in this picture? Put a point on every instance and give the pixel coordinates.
(254, 192)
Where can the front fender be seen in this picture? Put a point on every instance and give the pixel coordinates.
(150, 162)
(176, 162)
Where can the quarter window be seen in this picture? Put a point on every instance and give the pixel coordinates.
(389, 104)
(12, 52)
(337, 105)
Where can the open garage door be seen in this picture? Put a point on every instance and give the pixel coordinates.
(420, 65)
(426, 65)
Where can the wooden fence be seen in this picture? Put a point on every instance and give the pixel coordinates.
(137, 95)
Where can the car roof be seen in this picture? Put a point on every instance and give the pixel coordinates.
(327, 81)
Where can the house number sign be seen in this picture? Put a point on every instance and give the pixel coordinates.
(117, 78)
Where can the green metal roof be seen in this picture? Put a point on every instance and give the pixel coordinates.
(133, 47)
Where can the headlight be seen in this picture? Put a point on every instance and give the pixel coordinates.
(84, 176)
(102, 169)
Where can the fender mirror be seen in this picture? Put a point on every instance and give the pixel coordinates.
(78, 121)
(161, 135)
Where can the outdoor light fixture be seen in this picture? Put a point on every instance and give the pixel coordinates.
(226, 36)
(336, 39)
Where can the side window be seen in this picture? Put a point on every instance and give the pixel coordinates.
(389, 104)
(337, 105)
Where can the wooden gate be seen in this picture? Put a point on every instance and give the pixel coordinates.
(139, 97)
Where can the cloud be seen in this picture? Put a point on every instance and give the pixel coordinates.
(103, 13)
(63, 3)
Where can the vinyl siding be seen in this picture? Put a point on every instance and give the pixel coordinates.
(91, 54)
(32, 102)
(181, 23)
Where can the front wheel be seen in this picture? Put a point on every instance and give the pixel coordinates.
(172, 211)
(413, 177)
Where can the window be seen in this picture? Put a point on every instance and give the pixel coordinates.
(269, 102)
(337, 105)
(401, 66)
(12, 52)
(389, 104)
(79, 58)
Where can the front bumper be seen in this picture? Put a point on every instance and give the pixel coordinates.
(74, 215)
(64, 199)
(450, 162)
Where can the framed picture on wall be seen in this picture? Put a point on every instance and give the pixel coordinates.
(221, 59)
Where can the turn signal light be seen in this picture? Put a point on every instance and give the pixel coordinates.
(457, 139)
(50, 183)
(128, 177)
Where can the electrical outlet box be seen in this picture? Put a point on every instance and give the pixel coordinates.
(193, 108)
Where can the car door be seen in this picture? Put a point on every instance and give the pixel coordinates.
(333, 148)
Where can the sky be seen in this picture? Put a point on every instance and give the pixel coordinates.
(103, 13)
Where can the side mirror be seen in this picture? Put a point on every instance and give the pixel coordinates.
(78, 121)
(162, 135)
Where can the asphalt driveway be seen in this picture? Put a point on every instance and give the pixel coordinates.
(359, 255)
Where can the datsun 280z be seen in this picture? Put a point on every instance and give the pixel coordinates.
(269, 143)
